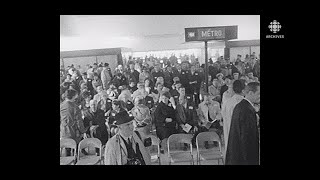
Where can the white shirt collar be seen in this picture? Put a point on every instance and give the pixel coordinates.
(249, 102)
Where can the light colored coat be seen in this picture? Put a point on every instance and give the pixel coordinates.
(115, 155)
(105, 78)
(226, 112)
(213, 109)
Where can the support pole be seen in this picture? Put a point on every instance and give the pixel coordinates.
(206, 71)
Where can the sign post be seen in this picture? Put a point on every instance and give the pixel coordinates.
(206, 34)
(206, 71)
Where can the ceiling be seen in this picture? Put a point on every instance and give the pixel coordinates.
(132, 31)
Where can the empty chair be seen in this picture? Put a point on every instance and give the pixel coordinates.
(155, 142)
(90, 159)
(68, 143)
(208, 154)
(180, 156)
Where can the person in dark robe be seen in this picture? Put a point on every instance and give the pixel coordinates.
(165, 119)
(243, 141)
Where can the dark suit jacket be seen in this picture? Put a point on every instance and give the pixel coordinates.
(162, 112)
(243, 143)
(187, 115)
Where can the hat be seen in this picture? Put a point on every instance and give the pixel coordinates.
(84, 73)
(219, 74)
(106, 64)
(95, 64)
(166, 94)
(123, 117)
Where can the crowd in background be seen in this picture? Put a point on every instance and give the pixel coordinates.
(164, 98)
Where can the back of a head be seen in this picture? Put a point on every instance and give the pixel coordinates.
(238, 86)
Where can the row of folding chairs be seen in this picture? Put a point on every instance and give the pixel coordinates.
(203, 154)
(76, 159)
(173, 156)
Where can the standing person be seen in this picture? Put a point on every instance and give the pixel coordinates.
(228, 107)
(144, 75)
(226, 91)
(90, 72)
(71, 125)
(243, 143)
(134, 73)
(184, 77)
(157, 73)
(126, 148)
(168, 77)
(106, 76)
(195, 82)
(165, 120)
(88, 83)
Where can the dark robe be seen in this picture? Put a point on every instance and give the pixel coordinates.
(243, 143)
(163, 129)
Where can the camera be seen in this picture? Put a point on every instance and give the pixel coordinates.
(133, 161)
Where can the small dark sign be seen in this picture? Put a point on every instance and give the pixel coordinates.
(211, 33)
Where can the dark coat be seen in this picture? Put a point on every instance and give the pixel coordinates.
(243, 143)
(71, 125)
(187, 115)
(163, 129)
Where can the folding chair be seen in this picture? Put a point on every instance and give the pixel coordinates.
(208, 154)
(90, 159)
(156, 142)
(180, 156)
(68, 143)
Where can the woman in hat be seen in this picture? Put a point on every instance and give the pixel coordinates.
(126, 147)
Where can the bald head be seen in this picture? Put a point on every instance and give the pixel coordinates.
(93, 105)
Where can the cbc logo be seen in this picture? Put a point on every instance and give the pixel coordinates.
(274, 26)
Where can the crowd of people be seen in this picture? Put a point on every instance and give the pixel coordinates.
(166, 98)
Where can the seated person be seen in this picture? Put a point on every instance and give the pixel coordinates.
(100, 93)
(175, 91)
(112, 91)
(132, 86)
(116, 108)
(142, 116)
(209, 113)
(156, 92)
(165, 120)
(139, 92)
(213, 91)
(148, 86)
(97, 122)
(186, 114)
(251, 78)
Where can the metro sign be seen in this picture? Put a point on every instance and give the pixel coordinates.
(211, 33)
(191, 34)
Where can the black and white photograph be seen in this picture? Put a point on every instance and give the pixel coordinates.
(161, 89)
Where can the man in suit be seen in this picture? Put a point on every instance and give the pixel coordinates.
(243, 143)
